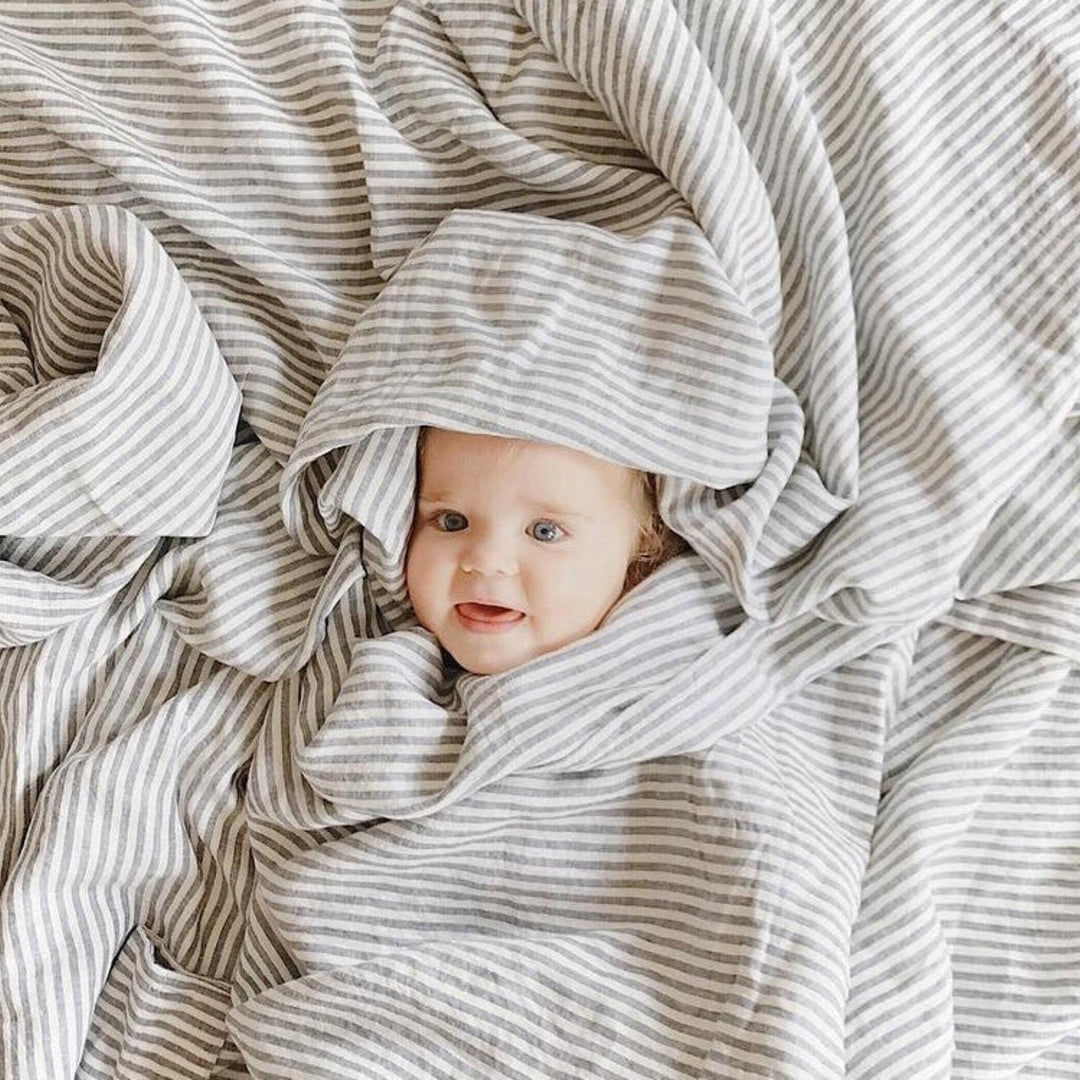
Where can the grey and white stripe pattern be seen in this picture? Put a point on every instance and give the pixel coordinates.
(96, 312)
(808, 806)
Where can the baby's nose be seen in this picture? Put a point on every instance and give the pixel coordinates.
(491, 555)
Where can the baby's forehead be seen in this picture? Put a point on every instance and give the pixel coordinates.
(451, 450)
(451, 459)
(448, 444)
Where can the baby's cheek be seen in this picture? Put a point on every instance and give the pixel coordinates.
(410, 570)
(585, 592)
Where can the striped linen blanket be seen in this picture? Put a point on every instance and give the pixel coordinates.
(806, 806)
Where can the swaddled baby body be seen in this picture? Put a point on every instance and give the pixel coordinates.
(518, 547)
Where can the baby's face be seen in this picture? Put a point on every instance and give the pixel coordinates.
(517, 548)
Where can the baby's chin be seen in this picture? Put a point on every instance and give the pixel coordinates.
(494, 657)
(487, 665)
(491, 656)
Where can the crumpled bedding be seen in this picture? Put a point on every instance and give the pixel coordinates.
(807, 805)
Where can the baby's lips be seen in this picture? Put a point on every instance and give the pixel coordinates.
(488, 612)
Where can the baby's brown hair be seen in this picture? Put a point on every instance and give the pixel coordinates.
(656, 542)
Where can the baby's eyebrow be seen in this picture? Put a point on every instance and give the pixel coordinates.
(539, 509)
(547, 511)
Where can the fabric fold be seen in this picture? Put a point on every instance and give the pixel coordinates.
(107, 321)
(117, 413)
(152, 1016)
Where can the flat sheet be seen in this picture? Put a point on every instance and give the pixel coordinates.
(250, 828)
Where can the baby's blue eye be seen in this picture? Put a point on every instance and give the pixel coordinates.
(545, 531)
(451, 521)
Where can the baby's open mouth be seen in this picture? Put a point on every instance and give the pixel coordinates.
(488, 613)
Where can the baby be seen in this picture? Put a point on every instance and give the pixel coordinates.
(518, 547)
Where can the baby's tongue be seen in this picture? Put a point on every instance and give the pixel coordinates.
(488, 612)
